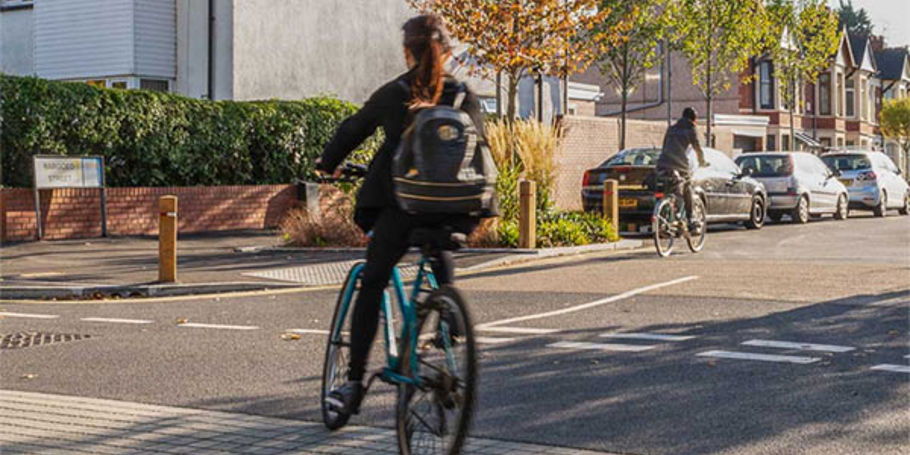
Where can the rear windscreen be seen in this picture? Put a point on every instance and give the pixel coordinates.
(634, 157)
(847, 162)
(766, 165)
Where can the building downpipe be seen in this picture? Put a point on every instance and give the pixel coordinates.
(211, 51)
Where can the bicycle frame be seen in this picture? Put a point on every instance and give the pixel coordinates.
(393, 370)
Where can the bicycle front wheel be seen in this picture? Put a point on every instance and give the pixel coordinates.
(337, 352)
(699, 220)
(435, 415)
(662, 225)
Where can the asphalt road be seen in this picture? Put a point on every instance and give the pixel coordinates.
(839, 291)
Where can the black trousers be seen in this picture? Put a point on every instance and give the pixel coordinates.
(389, 242)
(681, 187)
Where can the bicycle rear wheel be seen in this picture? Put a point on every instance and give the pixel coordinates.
(699, 218)
(337, 353)
(435, 416)
(662, 225)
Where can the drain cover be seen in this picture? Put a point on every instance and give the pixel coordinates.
(322, 274)
(26, 339)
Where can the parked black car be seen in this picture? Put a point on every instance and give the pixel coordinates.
(729, 194)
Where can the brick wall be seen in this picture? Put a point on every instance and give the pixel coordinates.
(76, 213)
(589, 141)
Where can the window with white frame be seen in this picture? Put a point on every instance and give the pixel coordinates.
(15, 3)
(766, 85)
(158, 85)
(824, 94)
(863, 100)
(871, 95)
(851, 97)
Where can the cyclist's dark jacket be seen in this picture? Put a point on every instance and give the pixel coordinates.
(388, 108)
(677, 140)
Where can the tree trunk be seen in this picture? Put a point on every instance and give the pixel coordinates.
(539, 97)
(625, 96)
(512, 91)
(499, 94)
(792, 128)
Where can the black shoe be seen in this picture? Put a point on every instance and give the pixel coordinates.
(695, 228)
(346, 399)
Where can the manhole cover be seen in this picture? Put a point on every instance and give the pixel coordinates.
(322, 274)
(26, 339)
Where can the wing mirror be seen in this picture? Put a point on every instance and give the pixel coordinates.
(747, 172)
(836, 173)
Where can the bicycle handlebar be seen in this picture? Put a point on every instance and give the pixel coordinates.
(350, 173)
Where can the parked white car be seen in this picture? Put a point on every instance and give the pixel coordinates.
(872, 179)
(798, 184)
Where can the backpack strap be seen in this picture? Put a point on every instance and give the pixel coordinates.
(460, 95)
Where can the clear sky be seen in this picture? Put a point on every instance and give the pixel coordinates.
(890, 17)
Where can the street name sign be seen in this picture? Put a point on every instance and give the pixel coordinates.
(52, 172)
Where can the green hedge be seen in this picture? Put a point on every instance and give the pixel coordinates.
(160, 139)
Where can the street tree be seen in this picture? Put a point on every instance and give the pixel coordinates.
(524, 37)
(645, 23)
(802, 38)
(718, 37)
(856, 21)
(895, 124)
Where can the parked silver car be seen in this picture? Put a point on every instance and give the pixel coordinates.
(872, 179)
(799, 185)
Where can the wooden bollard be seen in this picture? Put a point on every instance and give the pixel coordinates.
(167, 239)
(527, 216)
(611, 203)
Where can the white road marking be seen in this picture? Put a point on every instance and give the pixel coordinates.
(492, 340)
(524, 330)
(796, 345)
(907, 356)
(29, 315)
(118, 321)
(599, 346)
(890, 367)
(585, 306)
(218, 326)
(308, 331)
(647, 336)
(762, 357)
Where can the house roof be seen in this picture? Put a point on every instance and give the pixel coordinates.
(860, 47)
(891, 63)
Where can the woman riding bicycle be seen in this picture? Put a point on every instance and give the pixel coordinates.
(426, 49)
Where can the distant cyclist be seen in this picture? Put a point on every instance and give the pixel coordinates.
(673, 157)
(391, 107)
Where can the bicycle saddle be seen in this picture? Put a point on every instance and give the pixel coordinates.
(440, 239)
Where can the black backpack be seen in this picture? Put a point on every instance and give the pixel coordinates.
(443, 165)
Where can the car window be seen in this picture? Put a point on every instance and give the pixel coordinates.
(634, 157)
(818, 166)
(766, 165)
(886, 163)
(720, 162)
(847, 162)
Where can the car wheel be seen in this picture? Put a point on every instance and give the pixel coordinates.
(757, 215)
(905, 210)
(800, 214)
(775, 216)
(881, 209)
(842, 208)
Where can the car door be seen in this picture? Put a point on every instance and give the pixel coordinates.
(713, 183)
(893, 183)
(830, 186)
(814, 179)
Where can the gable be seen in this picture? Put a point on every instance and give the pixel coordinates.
(844, 53)
(906, 68)
(868, 63)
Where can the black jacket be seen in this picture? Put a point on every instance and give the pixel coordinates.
(388, 108)
(676, 142)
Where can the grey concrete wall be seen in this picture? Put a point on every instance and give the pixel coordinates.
(192, 48)
(295, 49)
(17, 42)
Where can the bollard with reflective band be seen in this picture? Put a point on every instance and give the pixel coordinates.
(527, 216)
(611, 203)
(167, 239)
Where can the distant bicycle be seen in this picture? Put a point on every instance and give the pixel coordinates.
(670, 222)
(431, 357)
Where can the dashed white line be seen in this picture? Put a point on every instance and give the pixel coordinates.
(522, 330)
(218, 326)
(647, 336)
(797, 345)
(599, 346)
(493, 340)
(29, 315)
(593, 304)
(893, 368)
(761, 357)
(118, 321)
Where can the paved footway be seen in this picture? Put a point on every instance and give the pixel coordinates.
(36, 423)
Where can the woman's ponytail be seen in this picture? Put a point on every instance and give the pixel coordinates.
(427, 40)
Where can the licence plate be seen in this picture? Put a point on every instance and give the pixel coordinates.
(847, 182)
(628, 203)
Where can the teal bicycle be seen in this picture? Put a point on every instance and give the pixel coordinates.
(429, 348)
